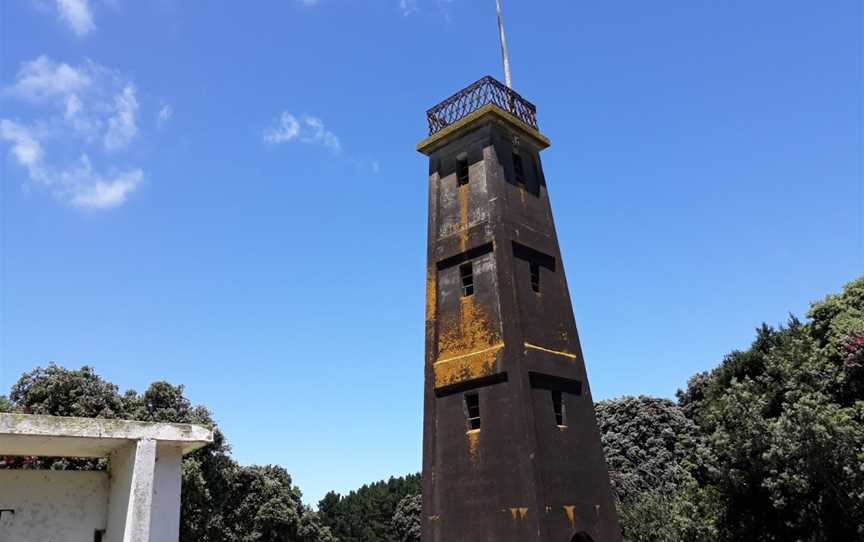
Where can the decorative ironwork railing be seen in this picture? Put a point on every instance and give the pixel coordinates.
(471, 98)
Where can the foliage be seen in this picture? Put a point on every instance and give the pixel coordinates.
(652, 450)
(649, 445)
(365, 515)
(655, 516)
(766, 447)
(221, 500)
(407, 518)
(785, 421)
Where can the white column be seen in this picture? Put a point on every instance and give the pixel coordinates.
(165, 521)
(130, 499)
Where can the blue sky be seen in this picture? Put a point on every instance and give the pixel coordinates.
(229, 198)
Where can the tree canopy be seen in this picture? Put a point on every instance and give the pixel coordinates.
(366, 514)
(767, 447)
(221, 500)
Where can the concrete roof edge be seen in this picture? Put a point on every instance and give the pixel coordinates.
(189, 436)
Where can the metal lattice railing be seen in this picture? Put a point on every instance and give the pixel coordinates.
(471, 98)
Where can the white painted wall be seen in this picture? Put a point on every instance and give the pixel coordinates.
(165, 519)
(52, 506)
(131, 498)
(138, 500)
(122, 462)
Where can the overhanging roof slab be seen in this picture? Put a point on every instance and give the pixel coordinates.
(55, 436)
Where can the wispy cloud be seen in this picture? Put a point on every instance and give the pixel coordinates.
(77, 15)
(25, 147)
(84, 114)
(78, 184)
(164, 115)
(43, 79)
(408, 7)
(122, 126)
(307, 129)
(285, 129)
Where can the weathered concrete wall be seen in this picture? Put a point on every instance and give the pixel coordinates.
(165, 519)
(138, 500)
(60, 506)
(131, 497)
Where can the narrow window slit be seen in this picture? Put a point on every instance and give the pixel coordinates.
(535, 276)
(472, 410)
(518, 170)
(466, 272)
(558, 407)
(462, 171)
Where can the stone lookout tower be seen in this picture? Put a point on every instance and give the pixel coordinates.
(511, 449)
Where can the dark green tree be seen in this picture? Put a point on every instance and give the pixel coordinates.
(649, 445)
(785, 422)
(366, 514)
(407, 518)
(653, 450)
(221, 500)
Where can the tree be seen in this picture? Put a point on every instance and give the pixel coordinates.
(649, 445)
(221, 500)
(407, 519)
(785, 421)
(366, 514)
(653, 450)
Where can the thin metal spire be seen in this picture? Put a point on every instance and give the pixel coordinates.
(505, 56)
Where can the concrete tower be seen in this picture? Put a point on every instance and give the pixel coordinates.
(511, 449)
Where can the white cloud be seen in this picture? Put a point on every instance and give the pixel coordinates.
(286, 129)
(316, 133)
(308, 129)
(408, 7)
(77, 14)
(86, 188)
(43, 79)
(25, 147)
(121, 125)
(79, 184)
(164, 115)
(84, 111)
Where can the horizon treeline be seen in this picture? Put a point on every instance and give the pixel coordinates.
(768, 446)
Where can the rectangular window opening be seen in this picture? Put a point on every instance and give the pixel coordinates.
(558, 407)
(535, 276)
(466, 273)
(472, 410)
(518, 170)
(98, 535)
(462, 171)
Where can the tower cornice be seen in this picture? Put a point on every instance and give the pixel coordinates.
(472, 121)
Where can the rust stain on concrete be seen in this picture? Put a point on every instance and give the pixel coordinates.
(571, 514)
(473, 443)
(469, 346)
(518, 513)
(463, 216)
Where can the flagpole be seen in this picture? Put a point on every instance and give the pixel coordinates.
(505, 56)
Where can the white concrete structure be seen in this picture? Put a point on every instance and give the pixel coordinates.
(136, 500)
